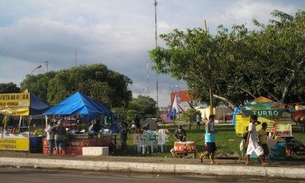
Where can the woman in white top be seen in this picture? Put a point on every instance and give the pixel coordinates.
(50, 137)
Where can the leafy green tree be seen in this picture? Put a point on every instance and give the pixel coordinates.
(144, 106)
(238, 65)
(120, 112)
(190, 115)
(105, 86)
(131, 115)
(38, 84)
(9, 88)
(192, 56)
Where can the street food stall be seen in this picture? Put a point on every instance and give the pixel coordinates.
(89, 111)
(267, 111)
(21, 116)
(279, 124)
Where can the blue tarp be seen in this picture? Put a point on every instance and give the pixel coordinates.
(80, 104)
(115, 128)
(237, 110)
(37, 107)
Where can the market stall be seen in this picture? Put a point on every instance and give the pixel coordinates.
(21, 119)
(279, 124)
(81, 105)
(267, 111)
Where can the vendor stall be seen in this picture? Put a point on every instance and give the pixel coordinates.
(267, 111)
(21, 113)
(279, 124)
(85, 107)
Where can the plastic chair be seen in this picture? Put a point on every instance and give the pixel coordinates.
(145, 141)
(150, 139)
(162, 140)
(137, 142)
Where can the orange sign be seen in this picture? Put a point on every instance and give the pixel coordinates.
(182, 96)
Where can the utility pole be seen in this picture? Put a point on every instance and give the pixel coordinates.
(210, 78)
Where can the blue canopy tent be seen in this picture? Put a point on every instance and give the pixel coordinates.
(80, 104)
(37, 107)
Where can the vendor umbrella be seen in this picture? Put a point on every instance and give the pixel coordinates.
(263, 107)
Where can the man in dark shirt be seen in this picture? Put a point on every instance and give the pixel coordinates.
(180, 136)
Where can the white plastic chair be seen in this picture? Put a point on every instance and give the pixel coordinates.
(162, 140)
(145, 143)
(151, 139)
(137, 142)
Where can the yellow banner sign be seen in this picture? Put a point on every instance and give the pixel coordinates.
(242, 122)
(14, 144)
(15, 100)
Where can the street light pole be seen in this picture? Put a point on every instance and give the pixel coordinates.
(39, 66)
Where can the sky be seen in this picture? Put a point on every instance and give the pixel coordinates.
(60, 34)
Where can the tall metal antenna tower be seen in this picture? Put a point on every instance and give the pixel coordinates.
(156, 44)
(147, 75)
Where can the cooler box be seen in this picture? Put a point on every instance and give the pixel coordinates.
(95, 151)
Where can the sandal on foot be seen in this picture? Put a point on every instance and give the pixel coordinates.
(265, 164)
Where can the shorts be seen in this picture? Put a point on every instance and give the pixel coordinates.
(211, 147)
(59, 143)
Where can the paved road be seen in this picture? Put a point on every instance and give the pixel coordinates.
(25, 175)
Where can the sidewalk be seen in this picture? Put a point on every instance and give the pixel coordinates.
(187, 166)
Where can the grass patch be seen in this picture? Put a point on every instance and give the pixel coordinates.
(227, 141)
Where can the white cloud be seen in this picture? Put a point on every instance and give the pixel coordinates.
(243, 12)
(117, 33)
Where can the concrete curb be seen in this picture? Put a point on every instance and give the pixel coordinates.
(284, 172)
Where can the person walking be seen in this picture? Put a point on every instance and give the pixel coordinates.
(189, 123)
(244, 140)
(50, 137)
(209, 140)
(60, 137)
(262, 137)
(198, 120)
(252, 143)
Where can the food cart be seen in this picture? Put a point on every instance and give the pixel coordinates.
(21, 115)
(85, 107)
